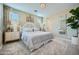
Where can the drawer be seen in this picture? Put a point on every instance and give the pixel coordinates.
(16, 35)
(9, 36)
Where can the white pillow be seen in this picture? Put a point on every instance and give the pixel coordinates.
(36, 29)
(27, 29)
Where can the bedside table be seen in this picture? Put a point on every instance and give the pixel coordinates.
(11, 36)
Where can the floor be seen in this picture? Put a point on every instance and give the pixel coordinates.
(59, 46)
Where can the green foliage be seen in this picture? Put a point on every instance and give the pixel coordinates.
(73, 21)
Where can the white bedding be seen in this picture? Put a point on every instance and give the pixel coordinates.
(34, 40)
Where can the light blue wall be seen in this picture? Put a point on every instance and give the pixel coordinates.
(1, 23)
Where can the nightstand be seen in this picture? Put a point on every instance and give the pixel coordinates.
(11, 36)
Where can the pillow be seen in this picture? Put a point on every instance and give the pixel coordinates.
(27, 29)
(36, 29)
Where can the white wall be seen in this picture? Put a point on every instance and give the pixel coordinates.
(1, 24)
(54, 22)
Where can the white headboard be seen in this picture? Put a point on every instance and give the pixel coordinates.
(30, 26)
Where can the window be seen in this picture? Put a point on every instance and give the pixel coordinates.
(14, 16)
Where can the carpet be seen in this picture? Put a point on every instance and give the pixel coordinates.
(58, 46)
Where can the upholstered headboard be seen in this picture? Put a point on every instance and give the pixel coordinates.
(30, 26)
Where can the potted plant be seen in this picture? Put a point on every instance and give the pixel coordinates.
(73, 22)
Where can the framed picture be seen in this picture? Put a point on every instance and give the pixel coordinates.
(30, 18)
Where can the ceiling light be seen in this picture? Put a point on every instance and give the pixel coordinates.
(43, 5)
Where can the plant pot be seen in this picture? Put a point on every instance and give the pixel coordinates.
(75, 40)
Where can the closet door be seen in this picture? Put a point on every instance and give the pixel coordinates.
(1, 24)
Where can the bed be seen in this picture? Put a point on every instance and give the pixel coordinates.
(33, 39)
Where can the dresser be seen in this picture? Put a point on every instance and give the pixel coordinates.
(12, 36)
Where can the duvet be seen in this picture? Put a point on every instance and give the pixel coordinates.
(34, 40)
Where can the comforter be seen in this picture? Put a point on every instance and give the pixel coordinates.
(34, 40)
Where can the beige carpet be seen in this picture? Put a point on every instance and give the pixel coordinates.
(57, 47)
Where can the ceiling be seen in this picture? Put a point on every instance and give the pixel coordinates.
(51, 8)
